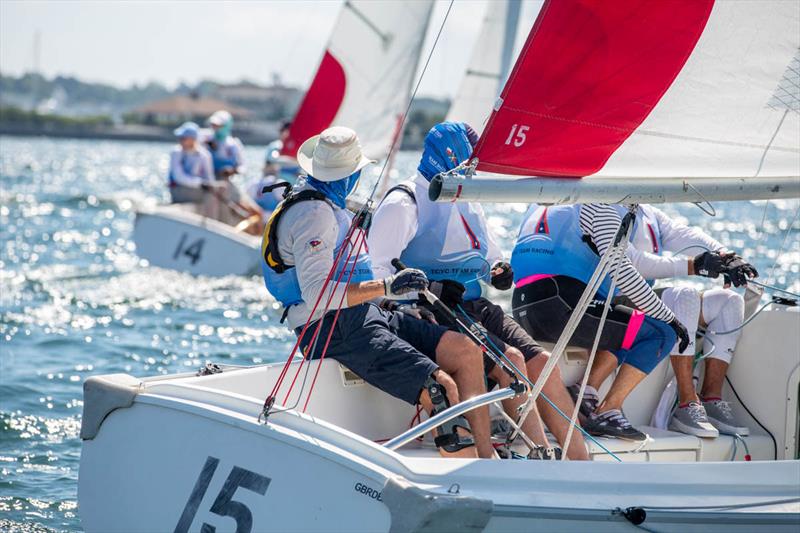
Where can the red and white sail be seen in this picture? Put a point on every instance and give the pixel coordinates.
(679, 88)
(488, 66)
(364, 78)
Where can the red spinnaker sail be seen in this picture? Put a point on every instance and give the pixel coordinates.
(589, 74)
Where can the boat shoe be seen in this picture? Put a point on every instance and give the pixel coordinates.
(589, 401)
(612, 424)
(721, 417)
(692, 420)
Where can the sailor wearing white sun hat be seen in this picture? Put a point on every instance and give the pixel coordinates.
(408, 358)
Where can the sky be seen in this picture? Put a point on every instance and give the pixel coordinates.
(126, 42)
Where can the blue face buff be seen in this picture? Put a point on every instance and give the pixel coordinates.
(446, 146)
(221, 133)
(336, 191)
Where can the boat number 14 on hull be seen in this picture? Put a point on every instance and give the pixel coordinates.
(224, 504)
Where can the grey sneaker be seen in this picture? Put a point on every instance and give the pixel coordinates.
(588, 403)
(721, 417)
(612, 424)
(692, 420)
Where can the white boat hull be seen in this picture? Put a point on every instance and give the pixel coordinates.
(188, 453)
(176, 237)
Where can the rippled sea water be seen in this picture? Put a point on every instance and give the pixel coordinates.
(76, 301)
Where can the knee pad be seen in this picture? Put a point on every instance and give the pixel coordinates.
(723, 310)
(447, 436)
(684, 302)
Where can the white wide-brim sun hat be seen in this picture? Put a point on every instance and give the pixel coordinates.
(332, 155)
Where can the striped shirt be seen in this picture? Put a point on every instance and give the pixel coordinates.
(600, 222)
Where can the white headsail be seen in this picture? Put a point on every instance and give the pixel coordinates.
(488, 66)
(665, 92)
(364, 78)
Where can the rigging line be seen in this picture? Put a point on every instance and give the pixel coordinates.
(360, 239)
(783, 245)
(542, 394)
(410, 101)
(285, 369)
(614, 269)
(320, 322)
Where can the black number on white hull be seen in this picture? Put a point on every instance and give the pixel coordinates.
(192, 251)
(224, 504)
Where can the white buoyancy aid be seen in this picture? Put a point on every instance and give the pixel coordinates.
(451, 242)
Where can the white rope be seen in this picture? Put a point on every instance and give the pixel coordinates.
(614, 270)
(569, 329)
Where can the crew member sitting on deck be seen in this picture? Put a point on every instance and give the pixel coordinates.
(191, 174)
(452, 244)
(408, 358)
(226, 150)
(557, 251)
(718, 310)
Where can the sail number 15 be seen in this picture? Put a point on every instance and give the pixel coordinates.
(517, 135)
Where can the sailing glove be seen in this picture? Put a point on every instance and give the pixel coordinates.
(408, 280)
(450, 292)
(738, 271)
(502, 276)
(681, 332)
(710, 264)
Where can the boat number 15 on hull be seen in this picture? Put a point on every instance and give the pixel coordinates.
(224, 504)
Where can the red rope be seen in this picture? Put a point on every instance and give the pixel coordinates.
(360, 239)
(286, 366)
(320, 322)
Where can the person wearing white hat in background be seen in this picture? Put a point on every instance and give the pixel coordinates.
(408, 358)
(227, 155)
(226, 150)
(191, 174)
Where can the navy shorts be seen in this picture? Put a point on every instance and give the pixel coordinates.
(391, 351)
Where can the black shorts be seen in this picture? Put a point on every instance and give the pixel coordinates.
(544, 307)
(502, 329)
(391, 351)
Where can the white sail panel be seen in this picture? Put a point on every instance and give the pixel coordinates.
(364, 78)
(734, 109)
(488, 65)
(378, 43)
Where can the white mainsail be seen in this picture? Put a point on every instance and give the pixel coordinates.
(488, 66)
(364, 77)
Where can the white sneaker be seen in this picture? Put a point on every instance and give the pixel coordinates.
(692, 420)
(721, 417)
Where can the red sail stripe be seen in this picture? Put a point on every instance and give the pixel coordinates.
(320, 104)
(589, 74)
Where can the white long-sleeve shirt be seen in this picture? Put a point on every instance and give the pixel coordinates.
(307, 236)
(675, 237)
(600, 223)
(191, 169)
(395, 224)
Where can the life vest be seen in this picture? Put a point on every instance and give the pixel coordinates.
(190, 164)
(551, 243)
(451, 242)
(281, 277)
(223, 154)
(646, 235)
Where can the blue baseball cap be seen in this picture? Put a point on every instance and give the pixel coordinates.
(187, 129)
